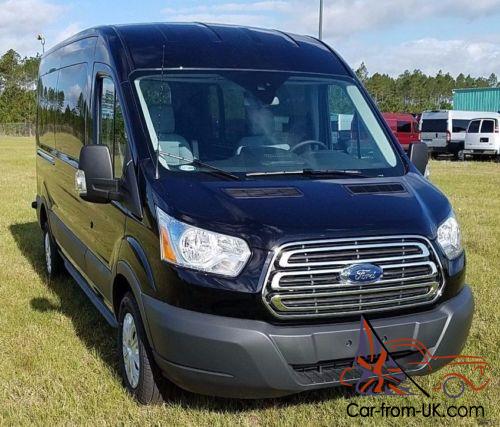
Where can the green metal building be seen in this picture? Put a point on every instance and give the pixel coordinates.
(477, 99)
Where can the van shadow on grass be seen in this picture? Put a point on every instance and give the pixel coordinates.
(96, 334)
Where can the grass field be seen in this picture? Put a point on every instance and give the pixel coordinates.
(57, 355)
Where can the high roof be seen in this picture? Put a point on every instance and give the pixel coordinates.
(197, 45)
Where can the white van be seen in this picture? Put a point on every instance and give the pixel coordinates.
(483, 136)
(443, 131)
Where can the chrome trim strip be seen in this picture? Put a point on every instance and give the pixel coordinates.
(355, 291)
(284, 259)
(278, 251)
(275, 282)
(67, 159)
(45, 156)
(278, 301)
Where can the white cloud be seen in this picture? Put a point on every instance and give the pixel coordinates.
(346, 19)
(475, 57)
(68, 31)
(341, 17)
(22, 20)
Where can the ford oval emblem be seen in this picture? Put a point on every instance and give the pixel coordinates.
(361, 273)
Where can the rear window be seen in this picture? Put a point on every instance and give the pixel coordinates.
(474, 126)
(404, 126)
(434, 125)
(459, 125)
(487, 126)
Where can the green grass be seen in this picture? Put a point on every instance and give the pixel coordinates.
(58, 363)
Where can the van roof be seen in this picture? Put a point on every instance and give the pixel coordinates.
(454, 114)
(398, 116)
(198, 45)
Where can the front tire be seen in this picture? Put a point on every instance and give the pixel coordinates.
(53, 260)
(140, 373)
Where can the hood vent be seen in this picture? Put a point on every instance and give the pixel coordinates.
(266, 192)
(376, 188)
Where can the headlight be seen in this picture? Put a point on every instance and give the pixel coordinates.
(188, 246)
(449, 237)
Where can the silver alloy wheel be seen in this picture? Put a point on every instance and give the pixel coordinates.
(48, 253)
(130, 348)
(461, 155)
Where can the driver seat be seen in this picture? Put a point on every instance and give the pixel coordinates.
(162, 116)
(261, 123)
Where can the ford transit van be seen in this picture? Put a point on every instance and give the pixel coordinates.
(190, 181)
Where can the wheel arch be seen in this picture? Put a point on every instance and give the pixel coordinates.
(126, 280)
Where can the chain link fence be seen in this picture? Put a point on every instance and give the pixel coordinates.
(17, 129)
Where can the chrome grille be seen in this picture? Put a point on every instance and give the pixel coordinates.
(303, 279)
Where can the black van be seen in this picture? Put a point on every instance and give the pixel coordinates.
(190, 182)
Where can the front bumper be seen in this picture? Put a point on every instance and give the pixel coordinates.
(241, 358)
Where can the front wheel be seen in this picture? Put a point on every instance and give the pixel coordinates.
(140, 374)
(53, 260)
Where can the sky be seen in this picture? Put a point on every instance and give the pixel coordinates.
(389, 36)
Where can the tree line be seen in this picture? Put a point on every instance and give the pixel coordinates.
(410, 92)
(414, 92)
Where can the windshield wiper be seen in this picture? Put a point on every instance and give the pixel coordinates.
(313, 172)
(199, 163)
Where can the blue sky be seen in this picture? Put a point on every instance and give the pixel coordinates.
(388, 35)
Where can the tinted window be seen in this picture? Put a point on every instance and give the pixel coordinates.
(460, 125)
(474, 126)
(71, 102)
(487, 126)
(47, 85)
(434, 125)
(259, 122)
(111, 125)
(404, 126)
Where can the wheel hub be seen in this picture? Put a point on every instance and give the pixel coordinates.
(130, 349)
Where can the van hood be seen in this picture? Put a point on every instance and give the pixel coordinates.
(267, 213)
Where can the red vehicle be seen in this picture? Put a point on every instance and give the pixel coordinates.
(404, 126)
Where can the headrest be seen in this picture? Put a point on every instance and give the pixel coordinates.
(162, 116)
(260, 121)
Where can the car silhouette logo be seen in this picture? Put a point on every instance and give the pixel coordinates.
(361, 273)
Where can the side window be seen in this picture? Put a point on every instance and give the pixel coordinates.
(404, 126)
(111, 124)
(46, 108)
(459, 125)
(474, 126)
(487, 126)
(341, 111)
(71, 105)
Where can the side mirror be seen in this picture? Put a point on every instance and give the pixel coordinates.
(419, 156)
(94, 179)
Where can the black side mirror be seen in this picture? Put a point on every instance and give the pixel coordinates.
(94, 179)
(419, 156)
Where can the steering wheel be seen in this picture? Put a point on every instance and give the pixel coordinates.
(309, 142)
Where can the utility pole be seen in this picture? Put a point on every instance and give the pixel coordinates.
(320, 29)
(41, 38)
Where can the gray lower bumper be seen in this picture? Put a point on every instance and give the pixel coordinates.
(252, 359)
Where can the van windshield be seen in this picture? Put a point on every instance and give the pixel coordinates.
(255, 122)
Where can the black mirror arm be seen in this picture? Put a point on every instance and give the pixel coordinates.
(108, 189)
